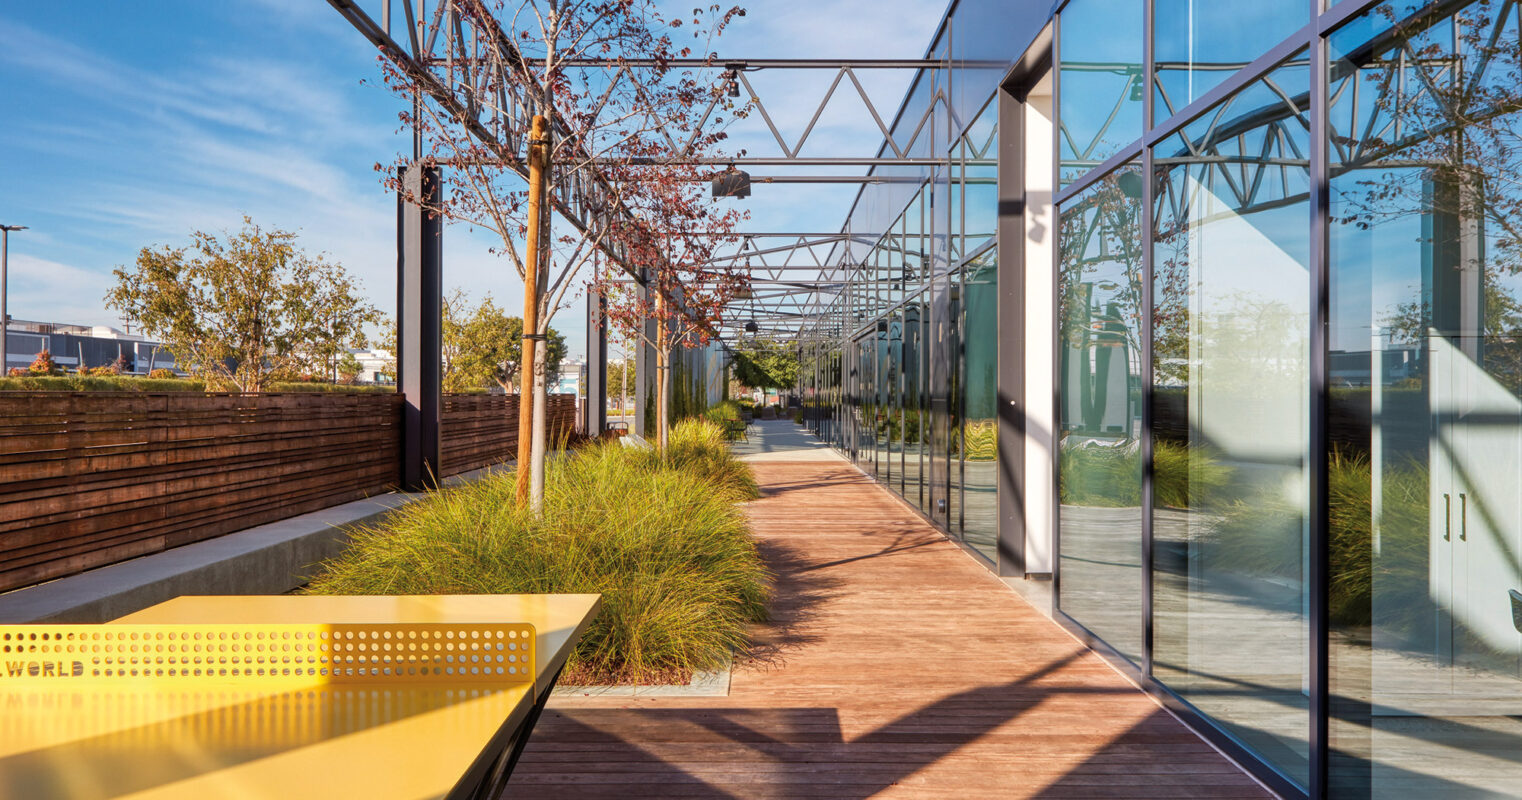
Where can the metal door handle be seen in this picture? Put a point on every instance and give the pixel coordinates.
(1463, 517)
(1447, 518)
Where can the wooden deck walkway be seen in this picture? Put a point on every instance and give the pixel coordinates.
(895, 667)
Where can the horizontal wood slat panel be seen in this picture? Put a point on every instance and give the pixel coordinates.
(481, 430)
(92, 478)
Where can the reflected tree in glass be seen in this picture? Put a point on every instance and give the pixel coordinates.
(1100, 284)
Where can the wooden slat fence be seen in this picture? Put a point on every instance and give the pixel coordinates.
(89, 479)
(481, 429)
(93, 478)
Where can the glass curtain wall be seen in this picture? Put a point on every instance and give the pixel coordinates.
(924, 353)
(1099, 439)
(1261, 219)
(980, 399)
(1420, 448)
(914, 378)
(1197, 45)
(1100, 83)
(1425, 414)
(1230, 333)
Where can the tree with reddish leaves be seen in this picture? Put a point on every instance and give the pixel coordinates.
(552, 155)
(687, 286)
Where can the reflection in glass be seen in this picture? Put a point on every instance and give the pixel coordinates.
(1231, 321)
(1198, 45)
(883, 423)
(914, 378)
(980, 387)
(954, 431)
(1099, 456)
(1426, 402)
(939, 360)
(1100, 80)
(980, 180)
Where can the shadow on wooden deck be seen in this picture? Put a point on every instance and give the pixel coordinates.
(894, 665)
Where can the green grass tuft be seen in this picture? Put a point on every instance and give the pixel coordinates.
(665, 544)
(697, 447)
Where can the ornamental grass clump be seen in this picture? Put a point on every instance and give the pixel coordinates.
(671, 555)
(698, 448)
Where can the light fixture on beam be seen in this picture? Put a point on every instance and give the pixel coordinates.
(731, 183)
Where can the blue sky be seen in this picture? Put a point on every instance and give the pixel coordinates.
(133, 124)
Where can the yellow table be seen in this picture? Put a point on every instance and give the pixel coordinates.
(558, 619)
(309, 697)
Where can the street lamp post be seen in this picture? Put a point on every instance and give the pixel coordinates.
(5, 317)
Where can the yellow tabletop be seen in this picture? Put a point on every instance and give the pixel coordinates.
(558, 619)
(234, 742)
(285, 738)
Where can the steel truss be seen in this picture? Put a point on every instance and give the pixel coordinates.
(468, 65)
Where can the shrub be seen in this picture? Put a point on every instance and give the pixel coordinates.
(1262, 535)
(1099, 475)
(697, 447)
(1109, 476)
(44, 364)
(1188, 477)
(679, 574)
(982, 440)
(161, 373)
(115, 383)
(1401, 566)
(798, 416)
(722, 411)
(300, 386)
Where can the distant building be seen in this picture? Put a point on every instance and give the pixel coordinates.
(96, 346)
(568, 380)
(376, 366)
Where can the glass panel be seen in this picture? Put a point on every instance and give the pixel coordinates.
(914, 246)
(913, 403)
(1426, 407)
(1099, 455)
(980, 348)
(954, 205)
(866, 392)
(882, 424)
(1230, 345)
(981, 212)
(1198, 45)
(954, 407)
(981, 38)
(937, 393)
(895, 363)
(939, 353)
(1100, 108)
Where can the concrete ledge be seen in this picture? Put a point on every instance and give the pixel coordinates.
(268, 559)
(704, 684)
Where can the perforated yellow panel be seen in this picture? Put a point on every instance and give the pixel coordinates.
(382, 653)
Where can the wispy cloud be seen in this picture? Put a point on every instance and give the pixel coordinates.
(121, 153)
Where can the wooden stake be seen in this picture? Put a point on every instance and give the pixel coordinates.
(538, 135)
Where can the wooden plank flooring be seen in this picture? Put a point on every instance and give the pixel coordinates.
(895, 667)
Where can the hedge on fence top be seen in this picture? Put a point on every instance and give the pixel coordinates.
(130, 383)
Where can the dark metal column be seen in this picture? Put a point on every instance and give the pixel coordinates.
(596, 409)
(419, 334)
(644, 368)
